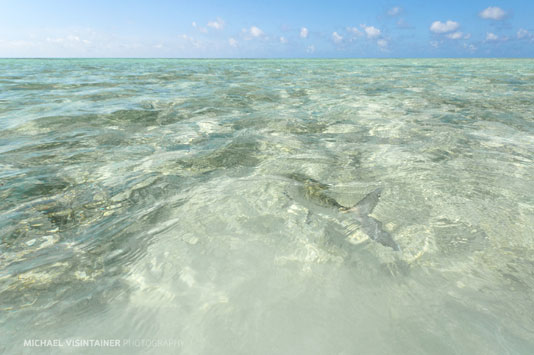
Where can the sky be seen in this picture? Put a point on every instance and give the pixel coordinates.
(266, 29)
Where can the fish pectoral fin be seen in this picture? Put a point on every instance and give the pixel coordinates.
(382, 236)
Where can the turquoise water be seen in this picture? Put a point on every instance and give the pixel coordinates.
(173, 201)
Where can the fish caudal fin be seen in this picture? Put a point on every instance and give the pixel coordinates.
(369, 202)
(371, 226)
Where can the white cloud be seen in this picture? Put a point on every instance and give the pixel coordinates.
(371, 31)
(304, 32)
(382, 43)
(68, 41)
(458, 35)
(493, 13)
(233, 43)
(434, 44)
(444, 27)
(336, 37)
(54, 40)
(491, 37)
(201, 29)
(522, 33)
(256, 31)
(86, 42)
(195, 43)
(283, 40)
(355, 31)
(218, 24)
(310, 49)
(394, 11)
(455, 35)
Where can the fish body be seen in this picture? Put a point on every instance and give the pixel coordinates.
(315, 192)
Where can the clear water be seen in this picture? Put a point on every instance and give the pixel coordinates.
(153, 199)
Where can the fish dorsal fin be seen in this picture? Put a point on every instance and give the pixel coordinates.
(369, 202)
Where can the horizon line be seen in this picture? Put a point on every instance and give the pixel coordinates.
(263, 58)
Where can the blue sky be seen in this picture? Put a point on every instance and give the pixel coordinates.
(410, 28)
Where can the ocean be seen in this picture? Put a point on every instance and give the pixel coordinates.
(208, 206)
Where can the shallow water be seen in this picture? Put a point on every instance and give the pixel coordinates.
(155, 199)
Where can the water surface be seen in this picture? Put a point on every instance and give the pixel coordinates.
(153, 199)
